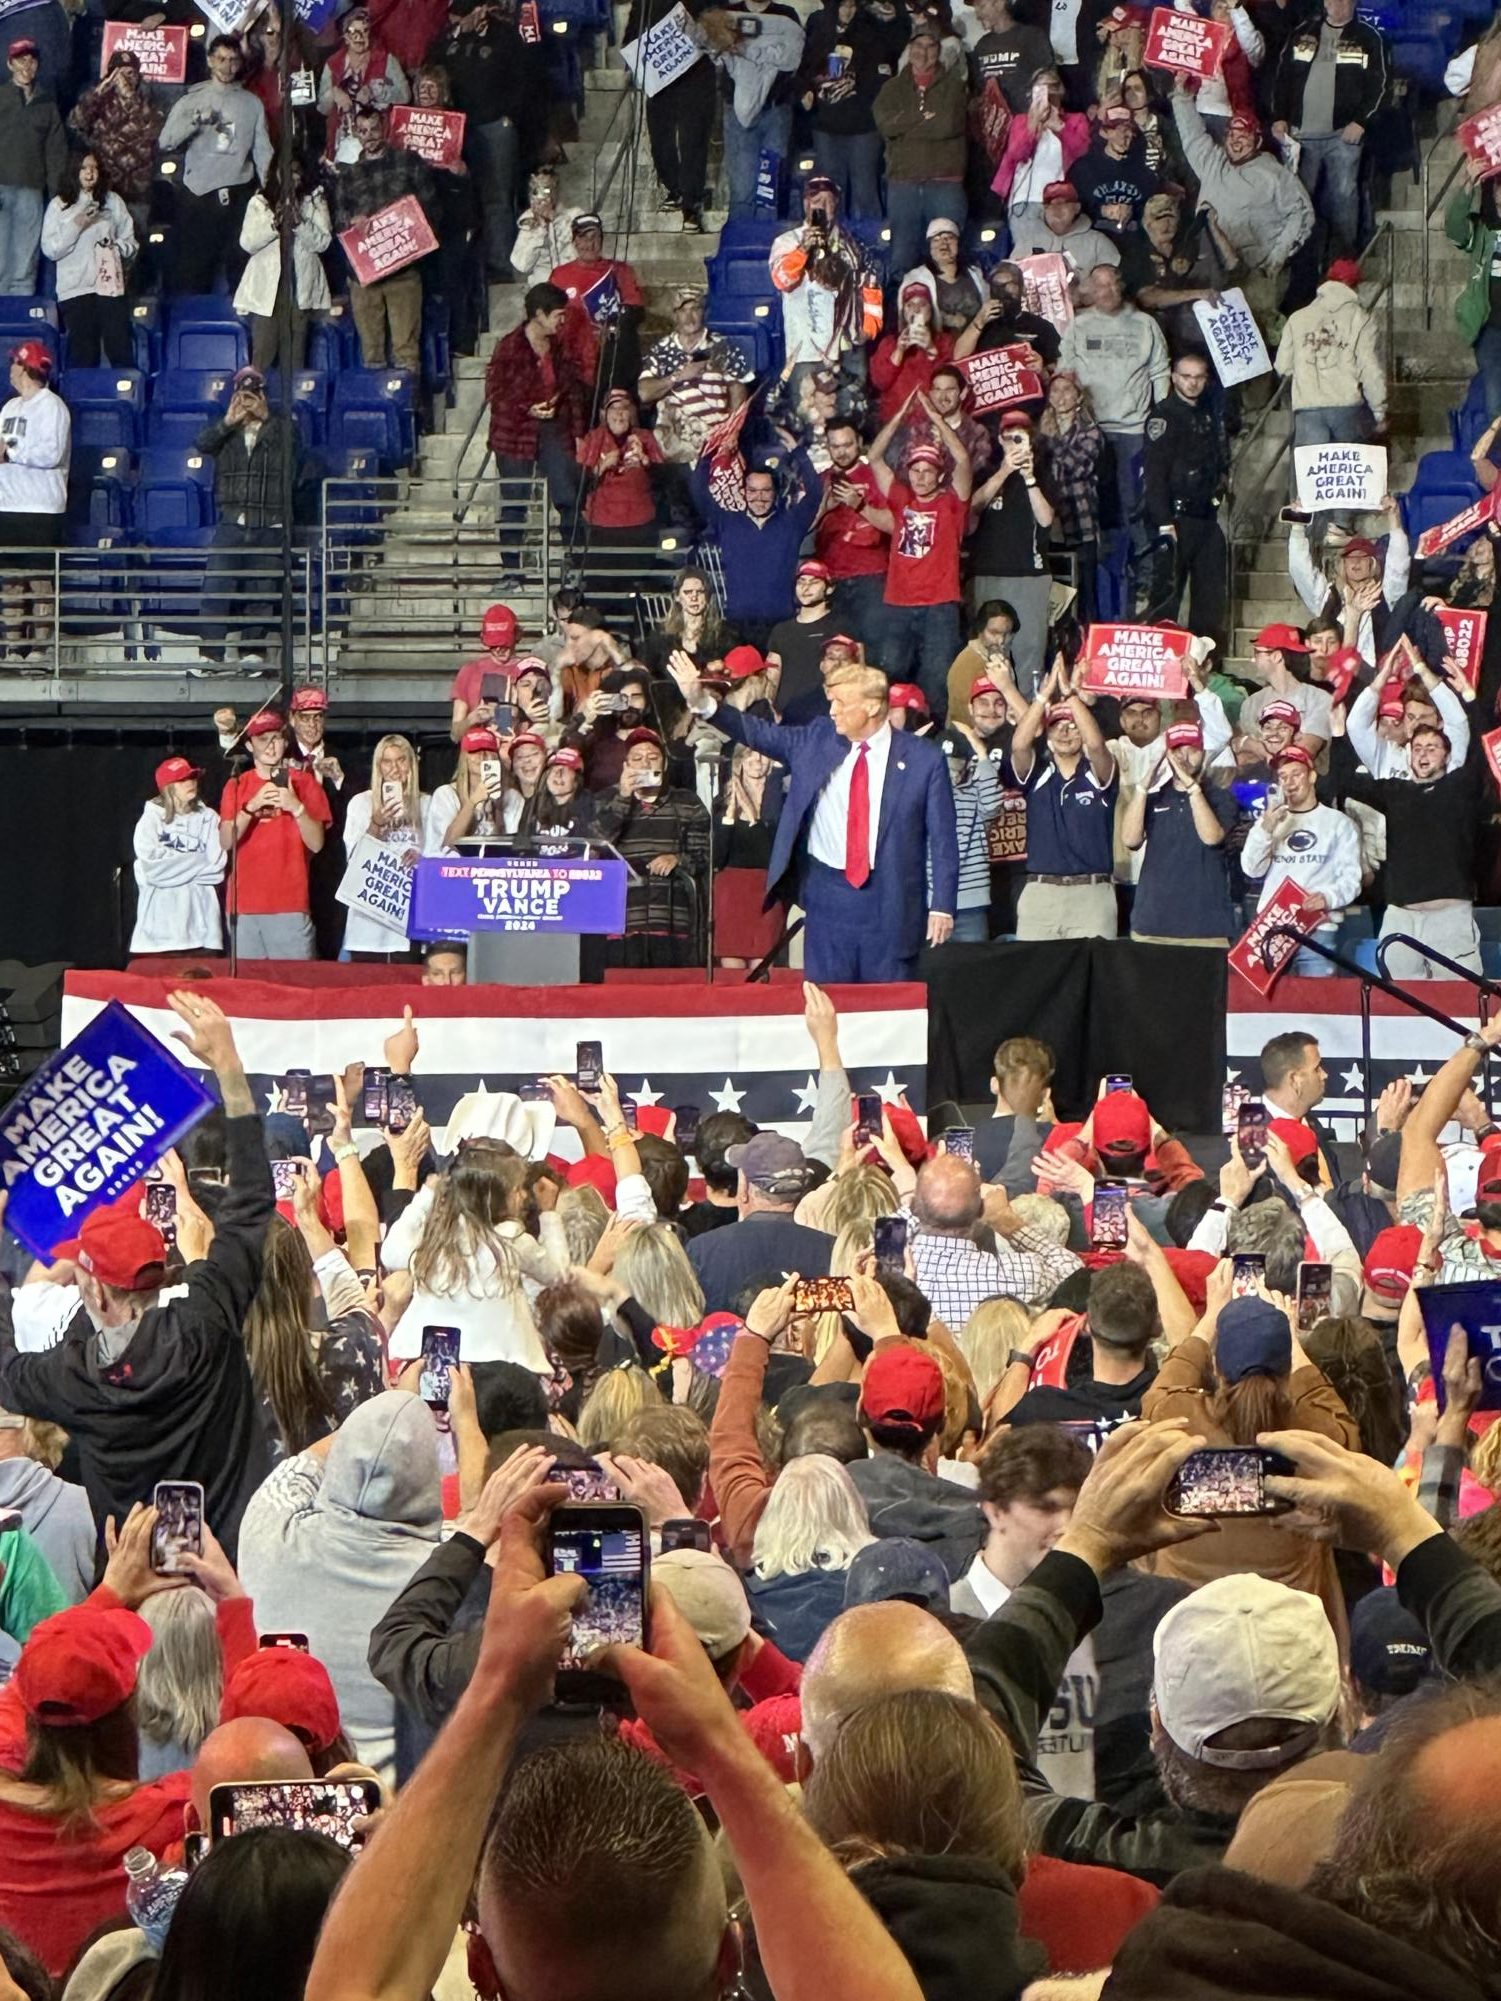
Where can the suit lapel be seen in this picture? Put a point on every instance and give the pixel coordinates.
(898, 773)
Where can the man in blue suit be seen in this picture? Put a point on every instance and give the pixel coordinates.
(869, 815)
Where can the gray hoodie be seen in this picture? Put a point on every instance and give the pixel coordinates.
(326, 1544)
(1262, 206)
(59, 1520)
(905, 1500)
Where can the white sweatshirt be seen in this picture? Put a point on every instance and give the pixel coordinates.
(363, 930)
(1394, 760)
(74, 250)
(1320, 850)
(178, 864)
(494, 1310)
(38, 434)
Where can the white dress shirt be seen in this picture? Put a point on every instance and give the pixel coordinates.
(827, 835)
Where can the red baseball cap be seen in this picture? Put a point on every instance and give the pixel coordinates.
(31, 354)
(1359, 545)
(1059, 712)
(498, 626)
(983, 686)
(1015, 419)
(571, 759)
(1283, 712)
(81, 1664)
(121, 1250)
(1391, 1261)
(1344, 271)
(1294, 754)
(839, 639)
(1182, 736)
(1279, 639)
(907, 695)
(743, 661)
(1294, 1134)
(822, 570)
(479, 738)
(1244, 121)
(1116, 114)
(903, 1391)
(267, 723)
(594, 1171)
(304, 699)
(1391, 705)
(290, 1688)
(1060, 191)
(528, 737)
(23, 45)
(1122, 1124)
(642, 735)
(173, 770)
(908, 1134)
(927, 455)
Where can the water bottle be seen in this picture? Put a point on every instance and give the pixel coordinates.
(152, 1893)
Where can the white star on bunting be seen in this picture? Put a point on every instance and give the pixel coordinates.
(727, 1100)
(806, 1094)
(1352, 1078)
(890, 1092)
(646, 1095)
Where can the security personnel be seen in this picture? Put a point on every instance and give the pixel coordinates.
(1185, 468)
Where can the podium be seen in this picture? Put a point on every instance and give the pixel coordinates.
(520, 903)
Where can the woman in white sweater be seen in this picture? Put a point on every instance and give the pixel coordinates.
(88, 234)
(258, 287)
(391, 820)
(179, 863)
(479, 1253)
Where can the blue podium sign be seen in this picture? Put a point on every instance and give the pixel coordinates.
(452, 897)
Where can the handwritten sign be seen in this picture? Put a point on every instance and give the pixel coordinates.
(89, 1123)
(161, 52)
(1480, 137)
(664, 53)
(1255, 948)
(1233, 338)
(1464, 639)
(1345, 476)
(1000, 377)
(388, 241)
(378, 882)
(1433, 541)
(1187, 43)
(1136, 660)
(434, 136)
(1046, 293)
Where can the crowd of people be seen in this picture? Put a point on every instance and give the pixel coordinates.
(1120, 1618)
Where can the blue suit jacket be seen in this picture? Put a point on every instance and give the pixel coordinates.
(917, 817)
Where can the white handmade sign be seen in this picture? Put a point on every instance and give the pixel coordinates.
(663, 53)
(1233, 338)
(1351, 477)
(378, 882)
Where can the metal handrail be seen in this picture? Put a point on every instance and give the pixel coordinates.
(460, 510)
(600, 188)
(1433, 202)
(1486, 988)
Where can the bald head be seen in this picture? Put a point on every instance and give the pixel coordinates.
(250, 1749)
(875, 1650)
(947, 1196)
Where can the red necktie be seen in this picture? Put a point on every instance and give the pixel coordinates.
(857, 833)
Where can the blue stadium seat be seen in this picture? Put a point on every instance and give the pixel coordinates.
(171, 463)
(738, 274)
(20, 315)
(146, 331)
(1467, 424)
(309, 404)
(171, 514)
(99, 485)
(747, 233)
(753, 336)
(183, 400)
(374, 408)
(106, 404)
(202, 332)
(332, 342)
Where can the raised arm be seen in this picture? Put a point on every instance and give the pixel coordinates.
(1421, 1158)
(876, 456)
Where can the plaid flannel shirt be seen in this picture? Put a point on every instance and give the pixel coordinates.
(957, 1276)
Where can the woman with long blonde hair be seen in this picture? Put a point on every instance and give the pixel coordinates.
(391, 819)
(654, 1269)
(478, 1251)
(813, 1525)
(476, 798)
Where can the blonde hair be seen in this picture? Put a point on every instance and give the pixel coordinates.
(181, 1679)
(411, 797)
(986, 1339)
(654, 1268)
(861, 680)
(1041, 1212)
(585, 1217)
(854, 1238)
(814, 1519)
(856, 1197)
(614, 1400)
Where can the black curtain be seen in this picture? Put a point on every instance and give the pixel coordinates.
(1154, 1011)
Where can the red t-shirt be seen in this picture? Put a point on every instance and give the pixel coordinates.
(269, 875)
(924, 566)
(468, 683)
(844, 539)
(623, 496)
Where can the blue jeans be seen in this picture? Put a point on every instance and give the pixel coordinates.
(1488, 362)
(971, 927)
(1330, 170)
(559, 468)
(743, 147)
(20, 239)
(1126, 449)
(912, 205)
(1335, 425)
(495, 167)
(924, 635)
(860, 605)
(852, 160)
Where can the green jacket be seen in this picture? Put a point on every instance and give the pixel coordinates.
(29, 1591)
(1464, 228)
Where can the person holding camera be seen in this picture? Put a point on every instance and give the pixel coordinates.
(220, 129)
(271, 819)
(831, 294)
(119, 124)
(250, 445)
(758, 46)
(1012, 516)
(88, 234)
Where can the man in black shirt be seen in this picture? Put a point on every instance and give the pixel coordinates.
(1184, 468)
(795, 645)
(250, 446)
(1007, 54)
(500, 84)
(1431, 822)
(717, 1133)
(1122, 1323)
(1012, 515)
(1003, 321)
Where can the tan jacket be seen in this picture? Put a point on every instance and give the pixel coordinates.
(1329, 349)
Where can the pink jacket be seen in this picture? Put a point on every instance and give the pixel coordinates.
(1021, 144)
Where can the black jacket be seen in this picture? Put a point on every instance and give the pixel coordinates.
(180, 1403)
(905, 1500)
(955, 1919)
(1186, 462)
(493, 75)
(1362, 73)
(875, 49)
(251, 482)
(33, 145)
